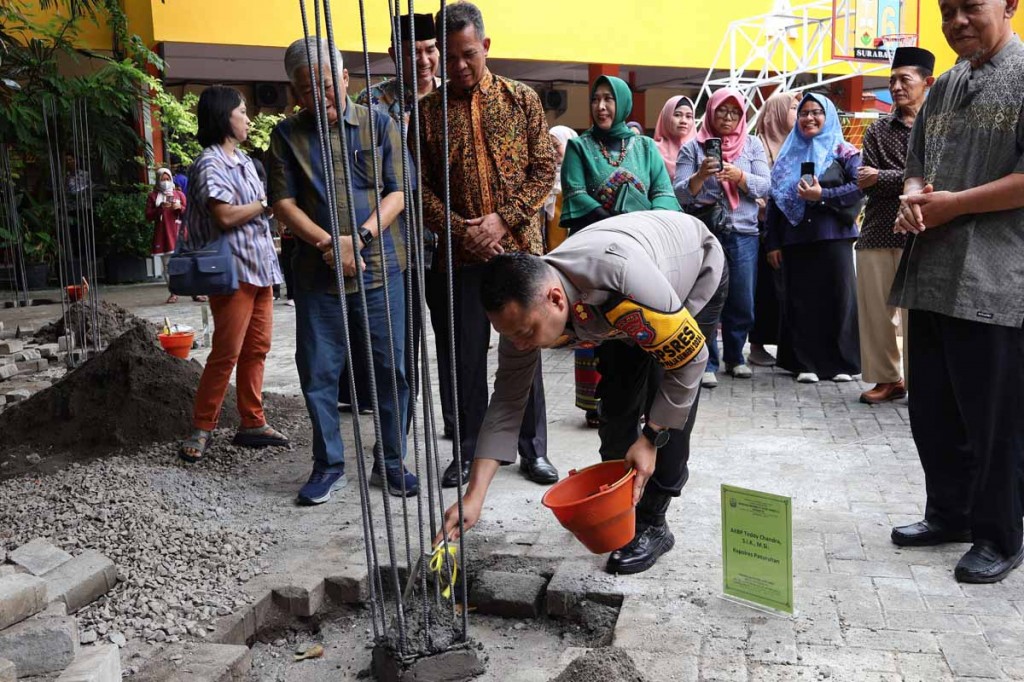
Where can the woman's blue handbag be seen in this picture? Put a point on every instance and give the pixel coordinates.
(206, 271)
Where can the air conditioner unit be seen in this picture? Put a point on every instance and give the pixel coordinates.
(271, 95)
(554, 100)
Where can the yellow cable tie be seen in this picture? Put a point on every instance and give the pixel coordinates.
(437, 562)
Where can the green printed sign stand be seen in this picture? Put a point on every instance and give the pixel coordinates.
(757, 548)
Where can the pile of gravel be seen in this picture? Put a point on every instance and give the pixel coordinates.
(112, 321)
(184, 539)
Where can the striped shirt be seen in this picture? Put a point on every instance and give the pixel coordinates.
(752, 161)
(295, 171)
(217, 176)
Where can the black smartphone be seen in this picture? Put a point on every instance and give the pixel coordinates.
(807, 172)
(713, 148)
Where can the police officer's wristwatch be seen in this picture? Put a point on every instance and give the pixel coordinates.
(365, 236)
(657, 438)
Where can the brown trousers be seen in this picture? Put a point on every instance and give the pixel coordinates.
(879, 349)
(243, 323)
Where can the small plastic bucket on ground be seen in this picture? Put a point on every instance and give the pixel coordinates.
(596, 505)
(77, 292)
(178, 344)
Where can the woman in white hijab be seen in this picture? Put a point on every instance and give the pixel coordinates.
(560, 136)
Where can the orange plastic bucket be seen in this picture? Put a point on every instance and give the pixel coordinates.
(177, 344)
(77, 292)
(596, 505)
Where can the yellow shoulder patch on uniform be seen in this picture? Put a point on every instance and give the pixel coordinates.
(674, 339)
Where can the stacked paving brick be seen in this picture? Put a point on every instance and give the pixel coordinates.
(22, 359)
(40, 585)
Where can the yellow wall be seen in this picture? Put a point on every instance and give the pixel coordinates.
(90, 35)
(683, 33)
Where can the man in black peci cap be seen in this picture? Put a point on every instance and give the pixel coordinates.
(878, 247)
(420, 77)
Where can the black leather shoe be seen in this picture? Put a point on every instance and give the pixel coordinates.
(927, 533)
(984, 563)
(653, 538)
(450, 477)
(643, 550)
(539, 470)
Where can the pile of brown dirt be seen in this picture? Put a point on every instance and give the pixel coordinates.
(112, 321)
(133, 393)
(606, 664)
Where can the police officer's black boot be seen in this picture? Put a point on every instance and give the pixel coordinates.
(653, 537)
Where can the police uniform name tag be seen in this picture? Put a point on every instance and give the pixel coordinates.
(674, 339)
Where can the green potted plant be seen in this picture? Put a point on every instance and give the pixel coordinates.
(39, 249)
(123, 235)
(39, 245)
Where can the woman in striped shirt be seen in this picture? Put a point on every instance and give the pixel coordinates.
(225, 196)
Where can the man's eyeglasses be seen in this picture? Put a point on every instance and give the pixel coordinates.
(816, 113)
(728, 113)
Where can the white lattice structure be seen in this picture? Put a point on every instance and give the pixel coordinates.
(788, 43)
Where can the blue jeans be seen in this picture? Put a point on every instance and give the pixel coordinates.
(320, 357)
(738, 312)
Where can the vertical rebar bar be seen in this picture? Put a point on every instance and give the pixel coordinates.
(377, 608)
(367, 339)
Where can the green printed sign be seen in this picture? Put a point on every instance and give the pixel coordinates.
(757, 548)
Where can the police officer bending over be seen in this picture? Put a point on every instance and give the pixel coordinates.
(656, 277)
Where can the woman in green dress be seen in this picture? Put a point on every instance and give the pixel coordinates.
(609, 170)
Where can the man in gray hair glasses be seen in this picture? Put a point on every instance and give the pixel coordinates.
(298, 192)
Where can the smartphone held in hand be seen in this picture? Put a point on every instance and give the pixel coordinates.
(713, 148)
(807, 172)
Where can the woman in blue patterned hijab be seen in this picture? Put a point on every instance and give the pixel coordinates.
(822, 149)
(811, 226)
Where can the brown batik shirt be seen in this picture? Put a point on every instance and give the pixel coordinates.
(502, 161)
(885, 148)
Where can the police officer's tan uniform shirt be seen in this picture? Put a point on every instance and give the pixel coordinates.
(658, 261)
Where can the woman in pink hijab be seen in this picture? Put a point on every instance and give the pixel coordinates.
(724, 193)
(676, 126)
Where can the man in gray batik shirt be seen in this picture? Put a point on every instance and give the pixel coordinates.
(962, 278)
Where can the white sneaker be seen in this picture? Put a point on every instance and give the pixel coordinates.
(807, 378)
(709, 380)
(842, 378)
(741, 372)
(290, 303)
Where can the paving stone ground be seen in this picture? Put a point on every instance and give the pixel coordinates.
(867, 610)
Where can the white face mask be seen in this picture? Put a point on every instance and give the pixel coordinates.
(166, 185)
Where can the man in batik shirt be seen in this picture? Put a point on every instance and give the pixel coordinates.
(498, 181)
